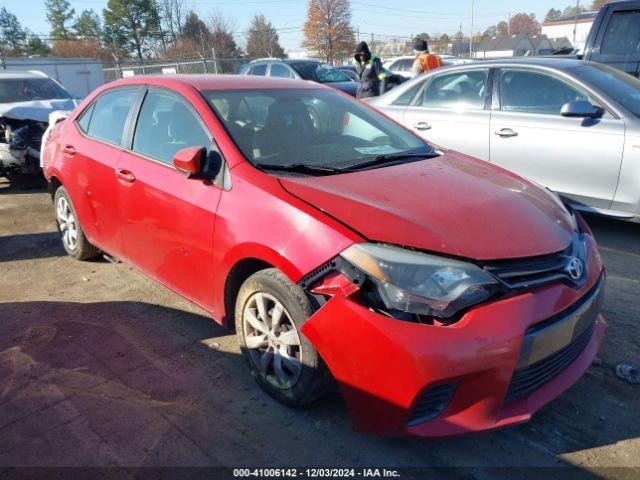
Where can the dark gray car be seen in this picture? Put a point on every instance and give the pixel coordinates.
(301, 69)
(569, 125)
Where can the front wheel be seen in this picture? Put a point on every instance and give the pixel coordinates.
(73, 239)
(270, 311)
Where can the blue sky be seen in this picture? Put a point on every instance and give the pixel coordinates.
(402, 18)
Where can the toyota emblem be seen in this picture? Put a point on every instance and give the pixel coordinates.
(575, 268)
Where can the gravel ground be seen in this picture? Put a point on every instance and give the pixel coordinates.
(100, 366)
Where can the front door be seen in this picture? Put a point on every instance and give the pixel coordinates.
(576, 157)
(168, 219)
(452, 112)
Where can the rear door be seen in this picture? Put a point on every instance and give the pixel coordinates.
(93, 150)
(579, 158)
(617, 43)
(168, 219)
(453, 111)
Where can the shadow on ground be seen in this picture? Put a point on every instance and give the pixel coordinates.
(130, 383)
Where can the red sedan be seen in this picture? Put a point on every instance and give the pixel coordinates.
(443, 295)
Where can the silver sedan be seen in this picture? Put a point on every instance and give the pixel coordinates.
(571, 126)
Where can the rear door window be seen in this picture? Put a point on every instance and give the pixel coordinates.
(260, 69)
(108, 115)
(278, 70)
(465, 90)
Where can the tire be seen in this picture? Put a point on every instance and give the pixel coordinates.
(73, 239)
(263, 349)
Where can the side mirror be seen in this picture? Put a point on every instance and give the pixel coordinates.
(581, 109)
(197, 163)
(189, 160)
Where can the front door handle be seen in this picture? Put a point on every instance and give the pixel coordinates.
(506, 132)
(125, 176)
(422, 126)
(69, 150)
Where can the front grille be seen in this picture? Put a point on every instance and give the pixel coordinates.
(528, 379)
(432, 403)
(533, 271)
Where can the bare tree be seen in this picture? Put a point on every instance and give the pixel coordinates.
(173, 14)
(222, 31)
(328, 30)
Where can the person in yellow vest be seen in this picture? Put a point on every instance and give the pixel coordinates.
(373, 76)
(424, 61)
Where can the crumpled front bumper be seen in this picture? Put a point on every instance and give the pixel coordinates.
(384, 365)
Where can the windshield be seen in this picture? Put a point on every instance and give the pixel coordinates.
(319, 72)
(313, 127)
(620, 86)
(29, 89)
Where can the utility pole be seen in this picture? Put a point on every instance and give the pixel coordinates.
(471, 36)
(509, 25)
(460, 41)
(358, 34)
(204, 52)
(575, 24)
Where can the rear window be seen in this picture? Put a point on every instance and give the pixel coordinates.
(622, 34)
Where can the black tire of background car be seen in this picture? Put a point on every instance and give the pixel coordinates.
(315, 379)
(84, 250)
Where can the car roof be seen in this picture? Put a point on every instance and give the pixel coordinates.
(558, 62)
(217, 82)
(16, 74)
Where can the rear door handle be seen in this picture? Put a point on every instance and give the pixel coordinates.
(69, 150)
(125, 176)
(506, 132)
(422, 126)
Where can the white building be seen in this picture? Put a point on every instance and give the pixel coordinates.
(576, 29)
(505, 46)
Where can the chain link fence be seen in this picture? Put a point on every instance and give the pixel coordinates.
(173, 67)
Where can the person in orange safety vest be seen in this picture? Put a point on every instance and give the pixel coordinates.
(424, 61)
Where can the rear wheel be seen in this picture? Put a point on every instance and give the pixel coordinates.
(73, 239)
(270, 311)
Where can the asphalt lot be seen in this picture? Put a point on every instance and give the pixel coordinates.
(100, 366)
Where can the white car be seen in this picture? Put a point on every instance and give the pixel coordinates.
(26, 100)
(402, 65)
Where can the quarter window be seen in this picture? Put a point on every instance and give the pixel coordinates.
(535, 92)
(106, 118)
(465, 90)
(623, 34)
(166, 125)
(406, 97)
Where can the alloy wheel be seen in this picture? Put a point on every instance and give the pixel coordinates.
(272, 340)
(67, 223)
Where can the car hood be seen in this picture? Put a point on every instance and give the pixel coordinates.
(37, 110)
(347, 87)
(453, 204)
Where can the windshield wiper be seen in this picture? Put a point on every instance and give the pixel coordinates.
(390, 158)
(300, 168)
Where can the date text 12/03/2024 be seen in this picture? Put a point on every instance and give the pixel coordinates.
(316, 473)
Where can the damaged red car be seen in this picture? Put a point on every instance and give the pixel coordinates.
(441, 294)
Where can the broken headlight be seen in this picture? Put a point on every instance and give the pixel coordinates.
(420, 283)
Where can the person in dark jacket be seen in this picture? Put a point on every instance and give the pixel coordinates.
(373, 77)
